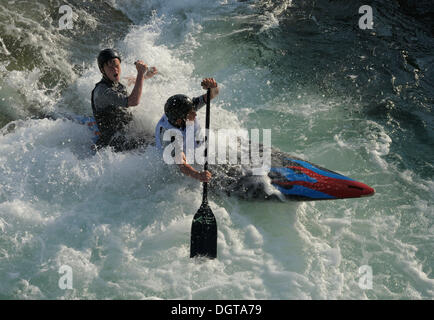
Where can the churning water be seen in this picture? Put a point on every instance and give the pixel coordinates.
(355, 101)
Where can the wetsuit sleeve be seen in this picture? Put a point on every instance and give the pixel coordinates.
(198, 102)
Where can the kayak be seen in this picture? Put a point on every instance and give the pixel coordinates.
(90, 122)
(289, 178)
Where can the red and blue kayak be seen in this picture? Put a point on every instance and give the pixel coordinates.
(301, 180)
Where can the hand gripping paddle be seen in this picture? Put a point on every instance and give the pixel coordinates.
(204, 226)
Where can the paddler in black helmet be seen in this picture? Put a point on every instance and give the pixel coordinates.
(110, 101)
(178, 110)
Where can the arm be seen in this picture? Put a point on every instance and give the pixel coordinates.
(212, 84)
(142, 73)
(134, 97)
(188, 170)
(200, 101)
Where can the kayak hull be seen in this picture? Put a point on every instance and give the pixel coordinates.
(289, 178)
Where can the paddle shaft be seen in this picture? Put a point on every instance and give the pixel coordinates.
(207, 120)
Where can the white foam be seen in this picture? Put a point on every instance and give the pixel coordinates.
(17, 84)
(122, 221)
(3, 47)
(269, 21)
(380, 142)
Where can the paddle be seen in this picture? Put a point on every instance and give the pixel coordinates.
(204, 226)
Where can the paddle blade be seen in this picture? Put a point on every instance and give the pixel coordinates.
(204, 233)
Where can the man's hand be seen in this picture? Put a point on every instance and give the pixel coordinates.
(152, 71)
(141, 67)
(204, 176)
(210, 83)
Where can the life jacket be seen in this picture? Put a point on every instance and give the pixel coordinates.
(111, 120)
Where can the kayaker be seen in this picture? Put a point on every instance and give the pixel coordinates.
(110, 102)
(180, 111)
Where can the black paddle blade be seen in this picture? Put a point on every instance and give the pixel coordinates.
(204, 233)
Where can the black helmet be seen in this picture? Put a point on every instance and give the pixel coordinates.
(107, 55)
(177, 107)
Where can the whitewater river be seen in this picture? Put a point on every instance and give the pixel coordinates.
(351, 100)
